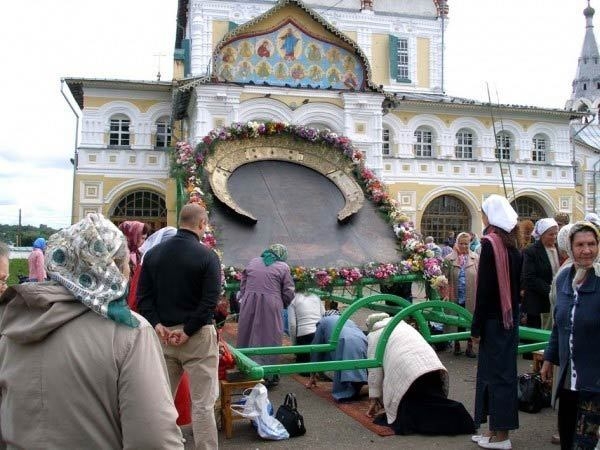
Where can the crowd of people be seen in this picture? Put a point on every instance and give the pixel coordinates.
(130, 315)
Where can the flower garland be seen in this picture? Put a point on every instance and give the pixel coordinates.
(187, 164)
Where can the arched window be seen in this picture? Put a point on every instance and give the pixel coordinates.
(385, 142)
(463, 148)
(540, 145)
(444, 214)
(142, 206)
(528, 208)
(163, 132)
(504, 145)
(423, 145)
(119, 131)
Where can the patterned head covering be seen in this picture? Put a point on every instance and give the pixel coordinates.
(133, 231)
(275, 252)
(40, 243)
(543, 225)
(82, 259)
(499, 212)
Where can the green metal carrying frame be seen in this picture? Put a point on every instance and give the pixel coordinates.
(422, 313)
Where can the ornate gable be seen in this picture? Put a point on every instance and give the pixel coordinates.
(291, 46)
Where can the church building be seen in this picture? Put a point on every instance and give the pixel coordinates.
(369, 70)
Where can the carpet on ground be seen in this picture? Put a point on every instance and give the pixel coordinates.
(357, 409)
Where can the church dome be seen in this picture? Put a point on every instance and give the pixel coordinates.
(589, 11)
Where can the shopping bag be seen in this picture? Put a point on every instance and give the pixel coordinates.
(257, 407)
(289, 416)
(533, 393)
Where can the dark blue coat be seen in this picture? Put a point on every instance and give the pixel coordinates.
(586, 334)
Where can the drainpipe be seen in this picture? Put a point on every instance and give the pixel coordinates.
(74, 160)
(596, 164)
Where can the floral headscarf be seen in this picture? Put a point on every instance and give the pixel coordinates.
(81, 258)
(275, 252)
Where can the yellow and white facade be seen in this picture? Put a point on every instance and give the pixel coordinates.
(371, 70)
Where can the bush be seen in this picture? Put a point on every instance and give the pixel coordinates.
(17, 267)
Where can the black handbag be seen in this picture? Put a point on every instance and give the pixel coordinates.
(289, 416)
(533, 393)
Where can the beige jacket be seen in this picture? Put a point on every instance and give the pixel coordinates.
(407, 356)
(452, 269)
(71, 379)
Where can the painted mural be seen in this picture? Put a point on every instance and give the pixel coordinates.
(289, 56)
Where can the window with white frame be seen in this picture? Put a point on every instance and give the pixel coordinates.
(463, 148)
(402, 59)
(119, 131)
(503, 146)
(385, 144)
(423, 145)
(163, 133)
(399, 59)
(540, 145)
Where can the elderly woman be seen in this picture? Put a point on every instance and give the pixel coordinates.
(461, 270)
(352, 344)
(74, 360)
(266, 288)
(573, 342)
(540, 264)
(495, 324)
(37, 271)
(412, 386)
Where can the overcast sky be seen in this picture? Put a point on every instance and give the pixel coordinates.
(526, 50)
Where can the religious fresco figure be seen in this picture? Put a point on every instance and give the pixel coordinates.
(313, 52)
(226, 72)
(333, 55)
(297, 71)
(288, 45)
(246, 49)
(263, 69)
(281, 71)
(349, 63)
(315, 73)
(334, 75)
(264, 49)
(350, 80)
(244, 69)
(228, 55)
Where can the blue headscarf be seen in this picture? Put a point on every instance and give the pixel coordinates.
(275, 252)
(40, 243)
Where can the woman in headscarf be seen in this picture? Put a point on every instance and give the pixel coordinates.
(573, 342)
(74, 360)
(135, 232)
(352, 344)
(266, 288)
(461, 270)
(37, 271)
(495, 324)
(540, 264)
(411, 387)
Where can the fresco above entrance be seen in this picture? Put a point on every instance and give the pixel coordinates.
(289, 56)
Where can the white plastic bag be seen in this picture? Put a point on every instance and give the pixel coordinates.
(256, 406)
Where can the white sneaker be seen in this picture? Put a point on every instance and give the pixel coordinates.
(505, 445)
(480, 438)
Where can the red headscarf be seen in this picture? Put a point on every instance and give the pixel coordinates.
(133, 231)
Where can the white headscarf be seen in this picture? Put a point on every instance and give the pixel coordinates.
(592, 217)
(499, 212)
(543, 225)
(156, 238)
(562, 239)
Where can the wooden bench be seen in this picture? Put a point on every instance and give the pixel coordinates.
(228, 389)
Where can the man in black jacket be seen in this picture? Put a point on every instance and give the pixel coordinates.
(178, 290)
